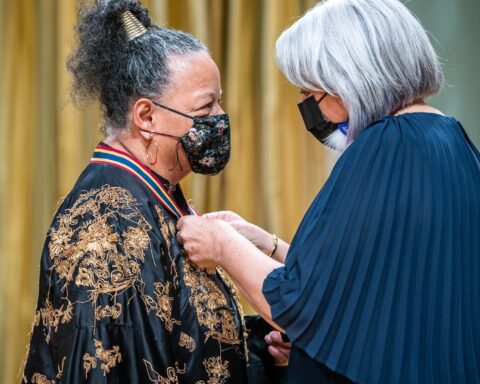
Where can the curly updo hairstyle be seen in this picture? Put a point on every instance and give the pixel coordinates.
(108, 67)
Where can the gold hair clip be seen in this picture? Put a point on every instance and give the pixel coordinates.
(132, 26)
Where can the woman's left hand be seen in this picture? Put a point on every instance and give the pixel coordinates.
(203, 238)
(279, 349)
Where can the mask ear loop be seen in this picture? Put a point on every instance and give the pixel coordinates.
(178, 158)
(156, 151)
(173, 110)
(321, 98)
(318, 103)
(163, 134)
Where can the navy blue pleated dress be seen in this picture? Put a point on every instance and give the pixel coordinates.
(382, 280)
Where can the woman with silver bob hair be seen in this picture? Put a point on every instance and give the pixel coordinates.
(381, 281)
(374, 57)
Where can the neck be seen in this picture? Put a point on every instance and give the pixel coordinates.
(417, 106)
(163, 167)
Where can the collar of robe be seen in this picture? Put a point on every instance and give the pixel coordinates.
(107, 155)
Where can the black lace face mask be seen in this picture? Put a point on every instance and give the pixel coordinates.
(206, 144)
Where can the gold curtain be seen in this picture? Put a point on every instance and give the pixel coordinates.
(45, 141)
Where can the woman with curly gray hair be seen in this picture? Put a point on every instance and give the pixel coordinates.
(382, 279)
(118, 302)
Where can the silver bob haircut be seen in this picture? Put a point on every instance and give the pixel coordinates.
(373, 54)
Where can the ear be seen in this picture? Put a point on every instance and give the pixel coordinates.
(143, 117)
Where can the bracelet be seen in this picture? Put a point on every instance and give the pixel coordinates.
(275, 245)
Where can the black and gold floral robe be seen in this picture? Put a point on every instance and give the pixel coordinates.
(119, 302)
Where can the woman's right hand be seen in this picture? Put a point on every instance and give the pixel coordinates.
(256, 235)
(227, 216)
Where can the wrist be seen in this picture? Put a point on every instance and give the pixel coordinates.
(225, 236)
(274, 246)
(264, 241)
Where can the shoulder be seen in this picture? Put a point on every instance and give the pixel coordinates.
(96, 175)
(393, 144)
(409, 125)
(108, 188)
(410, 130)
(106, 211)
(98, 217)
(103, 236)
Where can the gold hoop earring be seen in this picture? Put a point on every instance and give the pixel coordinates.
(156, 152)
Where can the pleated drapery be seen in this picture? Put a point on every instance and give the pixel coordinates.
(381, 280)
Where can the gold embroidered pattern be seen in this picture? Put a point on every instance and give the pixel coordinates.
(60, 369)
(89, 363)
(36, 319)
(210, 305)
(38, 378)
(217, 370)
(168, 230)
(165, 228)
(236, 298)
(187, 342)
(108, 357)
(113, 311)
(92, 254)
(135, 241)
(164, 305)
(52, 318)
(156, 378)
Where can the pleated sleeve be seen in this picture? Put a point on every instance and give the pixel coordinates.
(381, 282)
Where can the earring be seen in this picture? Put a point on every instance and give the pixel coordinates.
(156, 152)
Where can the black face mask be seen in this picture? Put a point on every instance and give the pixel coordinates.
(206, 144)
(316, 123)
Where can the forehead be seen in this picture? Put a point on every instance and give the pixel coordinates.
(193, 75)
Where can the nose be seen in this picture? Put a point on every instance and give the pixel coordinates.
(218, 110)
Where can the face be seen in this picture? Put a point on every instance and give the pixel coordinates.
(194, 90)
(331, 107)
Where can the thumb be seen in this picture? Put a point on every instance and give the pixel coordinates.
(181, 222)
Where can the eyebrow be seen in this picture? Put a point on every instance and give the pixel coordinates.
(209, 94)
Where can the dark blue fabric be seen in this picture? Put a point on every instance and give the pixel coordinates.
(308, 370)
(382, 280)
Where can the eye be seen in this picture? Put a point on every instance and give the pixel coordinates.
(207, 106)
(206, 109)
